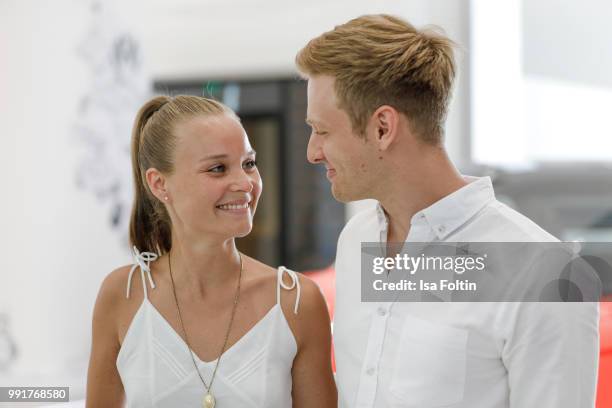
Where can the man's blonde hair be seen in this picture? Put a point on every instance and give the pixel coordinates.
(383, 60)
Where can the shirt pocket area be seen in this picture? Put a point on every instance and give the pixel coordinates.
(430, 367)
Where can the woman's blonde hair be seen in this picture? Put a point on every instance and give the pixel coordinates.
(383, 60)
(153, 145)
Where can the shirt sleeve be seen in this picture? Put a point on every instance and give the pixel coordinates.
(552, 355)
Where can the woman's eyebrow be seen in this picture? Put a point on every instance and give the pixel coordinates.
(224, 156)
(213, 157)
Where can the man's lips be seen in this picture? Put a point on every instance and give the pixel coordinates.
(330, 173)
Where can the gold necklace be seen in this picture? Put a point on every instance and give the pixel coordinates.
(209, 399)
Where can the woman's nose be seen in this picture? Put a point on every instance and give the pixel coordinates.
(243, 182)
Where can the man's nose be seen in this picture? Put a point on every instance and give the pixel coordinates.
(314, 153)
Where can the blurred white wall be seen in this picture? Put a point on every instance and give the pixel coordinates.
(575, 44)
(58, 244)
(541, 82)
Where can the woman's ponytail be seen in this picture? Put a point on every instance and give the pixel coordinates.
(149, 222)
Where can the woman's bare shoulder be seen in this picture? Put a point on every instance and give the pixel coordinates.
(311, 299)
(259, 267)
(311, 316)
(114, 285)
(310, 293)
(111, 303)
(260, 275)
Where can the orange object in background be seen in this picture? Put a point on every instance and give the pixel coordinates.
(604, 382)
(326, 279)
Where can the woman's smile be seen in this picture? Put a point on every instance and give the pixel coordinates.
(236, 207)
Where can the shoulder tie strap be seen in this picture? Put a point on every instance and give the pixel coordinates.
(142, 260)
(295, 282)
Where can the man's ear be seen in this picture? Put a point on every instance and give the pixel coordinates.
(385, 123)
(157, 184)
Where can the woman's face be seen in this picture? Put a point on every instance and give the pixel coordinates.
(216, 185)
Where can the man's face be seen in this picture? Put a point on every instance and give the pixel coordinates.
(346, 155)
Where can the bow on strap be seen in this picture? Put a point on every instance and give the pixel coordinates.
(294, 283)
(142, 260)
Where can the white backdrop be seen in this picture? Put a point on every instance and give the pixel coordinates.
(541, 84)
(58, 243)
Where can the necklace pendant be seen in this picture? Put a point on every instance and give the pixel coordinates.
(209, 401)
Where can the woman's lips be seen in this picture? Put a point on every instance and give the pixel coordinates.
(235, 207)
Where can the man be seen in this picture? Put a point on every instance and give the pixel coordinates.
(378, 91)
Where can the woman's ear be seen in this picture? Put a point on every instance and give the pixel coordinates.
(157, 184)
(386, 122)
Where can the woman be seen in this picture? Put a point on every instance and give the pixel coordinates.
(204, 325)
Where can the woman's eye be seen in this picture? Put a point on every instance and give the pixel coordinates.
(250, 164)
(217, 169)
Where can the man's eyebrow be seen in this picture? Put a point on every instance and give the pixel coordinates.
(312, 122)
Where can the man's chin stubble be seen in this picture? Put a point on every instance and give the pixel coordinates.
(341, 196)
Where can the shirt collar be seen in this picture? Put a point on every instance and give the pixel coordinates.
(451, 212)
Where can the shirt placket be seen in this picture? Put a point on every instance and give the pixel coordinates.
(369, 372)
(368, 381)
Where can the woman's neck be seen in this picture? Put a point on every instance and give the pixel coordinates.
(203, 265)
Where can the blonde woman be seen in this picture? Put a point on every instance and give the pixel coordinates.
(200, 324)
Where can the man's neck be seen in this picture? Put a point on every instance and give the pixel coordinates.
(409, 192)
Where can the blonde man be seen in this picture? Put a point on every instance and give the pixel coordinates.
(378, 92)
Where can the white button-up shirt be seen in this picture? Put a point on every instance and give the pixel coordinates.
(413, 354)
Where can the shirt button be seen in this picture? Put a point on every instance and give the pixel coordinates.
(370, 371)
(382, 311)
(441, 229)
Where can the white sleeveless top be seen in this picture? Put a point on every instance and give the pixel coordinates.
(157, 371)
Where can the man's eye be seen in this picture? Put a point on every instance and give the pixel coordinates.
(217, 169)
(250, 164)
(321, 133)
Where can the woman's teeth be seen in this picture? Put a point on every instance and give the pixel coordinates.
(233, 206)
